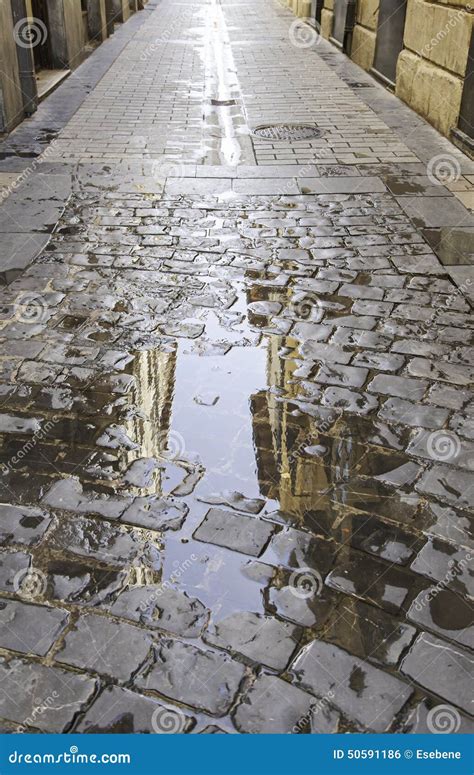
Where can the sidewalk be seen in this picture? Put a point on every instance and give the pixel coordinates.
(237, 431)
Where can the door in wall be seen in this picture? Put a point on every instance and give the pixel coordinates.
(389, 42)
(343, 24)
(110, 16)
(316, 8)
(42, 50)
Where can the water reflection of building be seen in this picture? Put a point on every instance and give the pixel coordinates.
(150, 405)
(285, 473)
(308, 484)
(154, 371)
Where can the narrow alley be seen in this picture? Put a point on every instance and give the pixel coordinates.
(237, 434)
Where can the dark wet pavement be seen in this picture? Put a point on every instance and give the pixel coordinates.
(236, 424)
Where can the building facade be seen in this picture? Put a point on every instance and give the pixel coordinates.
(423, 50)
(41, 41)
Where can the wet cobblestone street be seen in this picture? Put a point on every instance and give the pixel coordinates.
(237, 431)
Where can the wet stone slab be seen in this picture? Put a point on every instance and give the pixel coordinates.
(446, 563)
(62, 695)
(76, 582)
(22, 524)
(155, 513)
(380, 538)
(212, 678)
(242, 534)
(103, 646)
(381, 584)
(365, 694)
(449, 524)
(447, 484)
(363, 630)
(262, 639)
(445, 613)
(121, 711)
(297, 549)
(13, 570)
(273, 706)
(104, 542)
(428, 715)
(30, 629)
(68, 495)
(308, 606)
(441, 668)
(162, 607)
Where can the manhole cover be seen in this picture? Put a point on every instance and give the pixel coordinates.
(288, 132)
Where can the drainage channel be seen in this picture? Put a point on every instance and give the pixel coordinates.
(225, 133)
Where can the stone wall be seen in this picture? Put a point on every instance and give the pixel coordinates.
(431, 68)
(364, 36)
(432, 65)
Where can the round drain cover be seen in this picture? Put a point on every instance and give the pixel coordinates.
(287, 132)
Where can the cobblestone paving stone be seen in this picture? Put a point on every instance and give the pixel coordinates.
(236, 425)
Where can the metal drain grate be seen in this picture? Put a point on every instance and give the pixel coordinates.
(223, 103)
(287, 132)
